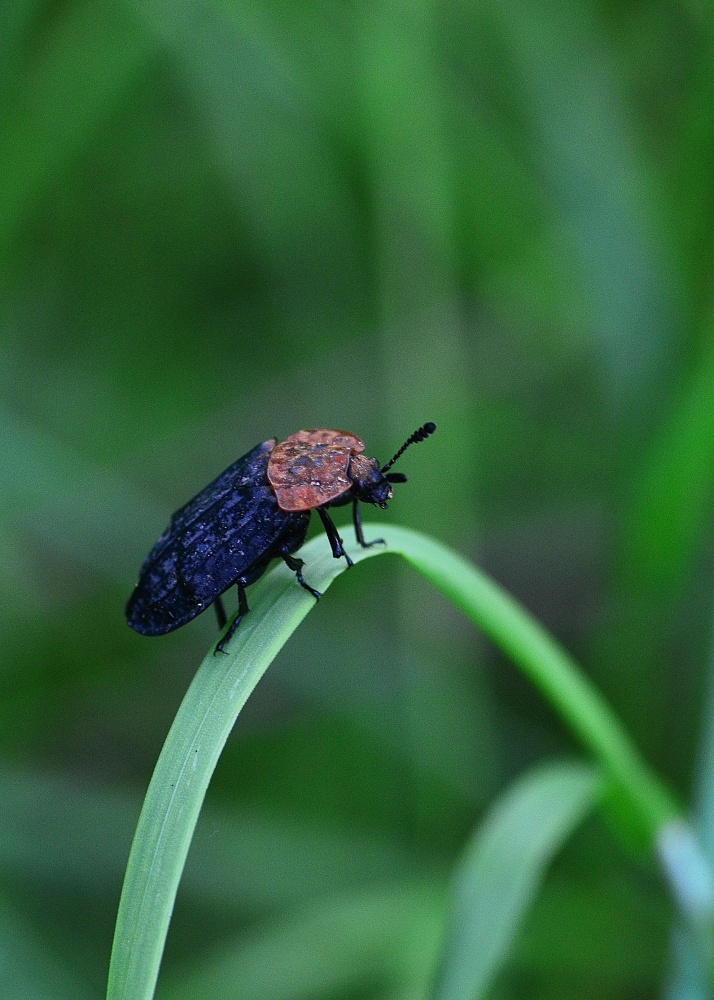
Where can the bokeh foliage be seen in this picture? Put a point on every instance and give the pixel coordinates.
(224, 221)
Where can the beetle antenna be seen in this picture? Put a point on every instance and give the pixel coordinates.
(417, 436)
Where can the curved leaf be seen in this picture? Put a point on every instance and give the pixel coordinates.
(223, 684)
(502, 869)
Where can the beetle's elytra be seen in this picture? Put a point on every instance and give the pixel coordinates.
(256, 511)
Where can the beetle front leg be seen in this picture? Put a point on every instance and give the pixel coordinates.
(242, 611)
(357, 518)
(338, 549)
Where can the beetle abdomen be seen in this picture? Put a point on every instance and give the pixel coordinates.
(216, 538)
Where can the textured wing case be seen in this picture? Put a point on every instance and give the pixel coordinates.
(217, 537)
(309, 468)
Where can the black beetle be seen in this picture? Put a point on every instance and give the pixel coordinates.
(257, 510)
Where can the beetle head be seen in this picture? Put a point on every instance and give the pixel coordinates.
(368, 483)
(372, 484)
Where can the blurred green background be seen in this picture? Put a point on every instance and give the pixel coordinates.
(222, 221)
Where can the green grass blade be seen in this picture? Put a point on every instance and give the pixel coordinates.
(502, 868)
(586, 154)
(223, 683)
(549, 667)
(689, 978)
(186, 764)
(665, 527)
(267, 140)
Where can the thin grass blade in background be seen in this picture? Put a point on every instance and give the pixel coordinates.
(270, 146)
(689, 979)
(403, 93)
(588, 159)
(502, 868)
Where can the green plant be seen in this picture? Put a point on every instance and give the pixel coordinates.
(509, 852)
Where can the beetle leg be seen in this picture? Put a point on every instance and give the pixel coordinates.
(220, 613)
(296, 566)
(357, 518)
(242, 610)
(336, 545)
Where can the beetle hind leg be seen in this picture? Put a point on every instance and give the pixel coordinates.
(243, 610)
(296, 566)
(220, 613)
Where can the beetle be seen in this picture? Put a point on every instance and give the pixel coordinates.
(256, 511)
